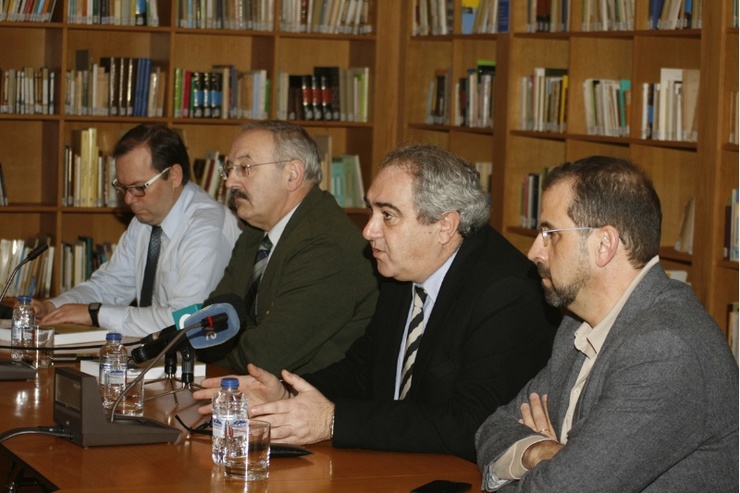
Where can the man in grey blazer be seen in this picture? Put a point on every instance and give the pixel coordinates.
(316, 288)
(641, 390)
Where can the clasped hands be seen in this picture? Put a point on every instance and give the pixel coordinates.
(298, 419)
(536, 417)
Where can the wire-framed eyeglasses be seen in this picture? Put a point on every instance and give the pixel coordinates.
(138, 190)
(242, 170)
(546, 233)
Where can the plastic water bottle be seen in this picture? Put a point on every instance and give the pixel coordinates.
(113, 364)
(229, 418)
(23, 316)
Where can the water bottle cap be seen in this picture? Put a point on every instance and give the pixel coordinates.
(112, 336)
(229, 383)
(24, 299)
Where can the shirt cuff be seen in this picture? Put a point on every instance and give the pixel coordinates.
(509, 465)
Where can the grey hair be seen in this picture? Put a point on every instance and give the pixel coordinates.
(291, 141)
(443, 182)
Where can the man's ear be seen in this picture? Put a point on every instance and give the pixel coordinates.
(296, 172)
(608, 238)
(448, 226)
(175, 177)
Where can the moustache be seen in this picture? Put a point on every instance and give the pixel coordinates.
(237, 194)
(543, 271)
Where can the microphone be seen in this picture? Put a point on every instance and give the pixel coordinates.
(204, 319)
(220, 318)
(32, 255)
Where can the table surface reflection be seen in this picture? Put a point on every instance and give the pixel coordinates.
(186, 465)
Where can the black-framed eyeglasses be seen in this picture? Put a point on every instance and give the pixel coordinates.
(546, 233)
(242, 170)
(205, 428)
(138, 190)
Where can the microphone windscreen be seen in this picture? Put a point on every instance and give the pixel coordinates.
(202, 338)
(235, 301)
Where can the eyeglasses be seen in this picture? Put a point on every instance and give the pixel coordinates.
(546, 233)
(241, 170)
(201, 429)
(138, 190)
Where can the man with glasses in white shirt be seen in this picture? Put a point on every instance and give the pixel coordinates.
(194, 235)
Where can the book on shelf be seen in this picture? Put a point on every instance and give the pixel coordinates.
(731, 250)
(346, 181)
(3, 188)
(685, 241)
(33, 278)
(732, 328)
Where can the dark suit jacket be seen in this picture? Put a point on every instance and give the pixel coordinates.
(486, 336)
(316, 297)
(658, 413)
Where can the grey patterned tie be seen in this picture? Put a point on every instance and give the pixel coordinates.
(413, 339)
(260, 262)
(150, 271)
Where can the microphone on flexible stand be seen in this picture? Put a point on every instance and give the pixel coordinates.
(219, 324)
(32, 255)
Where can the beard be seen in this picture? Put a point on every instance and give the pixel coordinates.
(564, 295)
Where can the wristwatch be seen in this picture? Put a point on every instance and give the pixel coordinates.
(93, 309)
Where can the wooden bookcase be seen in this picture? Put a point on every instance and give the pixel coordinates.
(31, 149)
(706, 170)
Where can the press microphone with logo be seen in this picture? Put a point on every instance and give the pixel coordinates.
(200, 330)
(32, 255)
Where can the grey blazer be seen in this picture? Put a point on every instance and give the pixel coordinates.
(658, 413)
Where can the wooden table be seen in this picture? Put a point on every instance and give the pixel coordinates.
(186, 465)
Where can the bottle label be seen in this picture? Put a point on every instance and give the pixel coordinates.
(218, 427)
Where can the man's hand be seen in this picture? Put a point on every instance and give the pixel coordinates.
(259, 386)
(306, 418)
(536, 417)
(41, 308)
(71, 313)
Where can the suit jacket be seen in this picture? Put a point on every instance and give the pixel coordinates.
(486, 336)
(316, 296)
(658, 412)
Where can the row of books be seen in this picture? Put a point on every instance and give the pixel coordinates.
(732, 243)
(553, 16)
(80, 259)
(341, 174)
(223, 92)
(474, 96)
(433, 17)
(26, 10)
(27, 91)
(329, 94)
(116, 86)
(3, 188)
(255, 15)
(544, 99)
(205, 172)
(88, 174)
(675, 14)
(113, 12)
(608, 106)
(326, 16)
(33, 278)
(529, 200)
(484, 16)
(669, 106)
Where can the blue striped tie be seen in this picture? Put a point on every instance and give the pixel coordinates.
(413, 339)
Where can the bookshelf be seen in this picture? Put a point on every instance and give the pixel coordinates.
(706, 170)
(32, 148)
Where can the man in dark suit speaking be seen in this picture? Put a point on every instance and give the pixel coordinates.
(460, 325)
